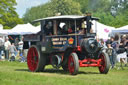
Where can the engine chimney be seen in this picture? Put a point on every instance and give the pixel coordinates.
(88, 21)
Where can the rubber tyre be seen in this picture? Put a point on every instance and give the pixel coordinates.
(73, 64)
(105, 63)
(35, 59)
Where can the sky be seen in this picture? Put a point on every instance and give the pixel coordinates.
(22, 5)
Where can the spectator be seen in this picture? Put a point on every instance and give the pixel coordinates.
(126, 46)
(109, 52)
(1, 46)
(6, 45)
(21, 47)
(16, 43)
(102, 43)
(21, 44)
(12, 50)
(115, 46)
(109, 40)
(123, 49)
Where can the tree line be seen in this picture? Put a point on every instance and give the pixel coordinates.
(111, 12)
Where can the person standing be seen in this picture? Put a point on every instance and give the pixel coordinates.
(16, 43)
(102, 43)
(12, 50)
(115, 46)
(21, 54)
(122, 51)
(1, 46)
(21, 47)
(6, 45)
(109, 51)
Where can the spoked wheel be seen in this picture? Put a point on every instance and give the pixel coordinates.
(35, 60)
(105, 63)
(73, 64)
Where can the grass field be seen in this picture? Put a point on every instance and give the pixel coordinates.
(15, 73)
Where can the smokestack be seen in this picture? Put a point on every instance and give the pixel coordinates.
(88, 21)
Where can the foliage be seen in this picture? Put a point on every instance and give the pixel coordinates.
(65, 7)
(83, 5)
(110, 20)
(99, 8)
(8, 16)
(93, 5)
(102, 9)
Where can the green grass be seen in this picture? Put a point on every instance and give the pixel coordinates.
(15, 73)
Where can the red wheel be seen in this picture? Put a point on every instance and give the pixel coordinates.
(35, 61)
(73, 64)
(105, 63)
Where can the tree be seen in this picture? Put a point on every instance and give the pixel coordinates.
(84, 5)
(94, 6)
(98, 8)
(37, 12)
(121, 8)
(65, 7)
(8, 16)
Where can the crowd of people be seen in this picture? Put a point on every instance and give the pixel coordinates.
(10, 50)
(116, 48)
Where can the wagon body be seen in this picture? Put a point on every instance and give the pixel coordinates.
(63, 42)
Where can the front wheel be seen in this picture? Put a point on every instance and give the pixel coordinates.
(105, 63)
(73, 64)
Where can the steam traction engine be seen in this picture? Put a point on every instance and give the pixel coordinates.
(62, 42)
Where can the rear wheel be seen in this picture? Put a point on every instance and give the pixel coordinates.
(105, 63)
(73, 64)
(35, 59)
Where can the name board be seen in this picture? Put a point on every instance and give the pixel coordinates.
(59, 41)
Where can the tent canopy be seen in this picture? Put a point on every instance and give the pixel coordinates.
(121, 30)
(22, 29)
